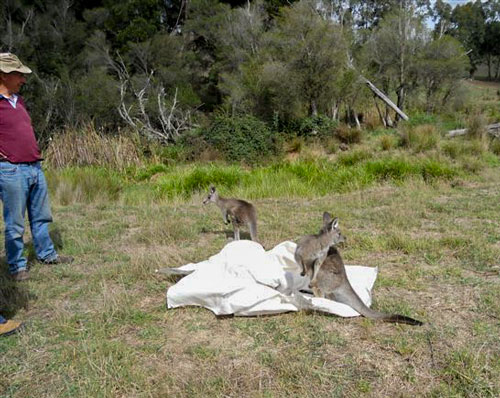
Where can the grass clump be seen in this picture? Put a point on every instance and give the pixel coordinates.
(476, 126)
(300, 178)
(348, 135)
(420, 138)
(395, 169)
(86, 184)
(387, 142)
(495, 146)
(183, 183)
(468, 374)
(148, 172)
(87, 147)
(351, 158)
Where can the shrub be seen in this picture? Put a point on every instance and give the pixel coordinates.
(317, 126)
(294, 145)
(196, 147)
(242, 138)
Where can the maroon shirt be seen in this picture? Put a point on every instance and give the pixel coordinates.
(17, 138)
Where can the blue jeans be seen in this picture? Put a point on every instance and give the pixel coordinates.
(23, 187)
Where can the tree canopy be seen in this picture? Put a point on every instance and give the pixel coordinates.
(158, 65)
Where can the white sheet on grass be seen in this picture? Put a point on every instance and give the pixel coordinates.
(245, 280)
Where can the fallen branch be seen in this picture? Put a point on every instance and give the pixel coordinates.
(385, 98)
(492, 129)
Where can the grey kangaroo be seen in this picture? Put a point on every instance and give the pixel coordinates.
(312, 249)
(331, 282)
(236, 211)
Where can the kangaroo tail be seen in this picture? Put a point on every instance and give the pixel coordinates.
(402, 319)
(347, 295)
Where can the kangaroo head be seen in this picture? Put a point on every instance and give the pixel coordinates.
(212, 195)
(331, 229)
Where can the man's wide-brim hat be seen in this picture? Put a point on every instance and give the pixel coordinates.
(10, 63)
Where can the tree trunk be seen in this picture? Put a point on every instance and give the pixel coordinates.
(400, 92)
(314, 108)
(356, 120)
(382, 119)
(488, 62)
(335, 112)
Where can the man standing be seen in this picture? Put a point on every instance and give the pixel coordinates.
(22, 182)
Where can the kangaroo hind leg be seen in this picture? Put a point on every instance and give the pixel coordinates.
(253, 231)
(315, 268)
(236, 232)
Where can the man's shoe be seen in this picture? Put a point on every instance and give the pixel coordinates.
(9, 327)
(20, 276)
(59, 260)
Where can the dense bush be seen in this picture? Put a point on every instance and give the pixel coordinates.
(317, 126)
(242, 138)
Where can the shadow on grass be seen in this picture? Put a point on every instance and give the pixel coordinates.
(16, 295)
(57, 240)
(228, 233)
(13, 295)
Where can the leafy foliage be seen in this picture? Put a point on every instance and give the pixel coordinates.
(297, 62)
(241, 138)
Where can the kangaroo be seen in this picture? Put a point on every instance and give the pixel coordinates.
(312, 249)
(237, 211)
(331, 282)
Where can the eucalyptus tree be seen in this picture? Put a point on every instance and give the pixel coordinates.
(441, 16)
(491, 44)
(311, 52)
(440, 66)
(393, 49)
(469, 27)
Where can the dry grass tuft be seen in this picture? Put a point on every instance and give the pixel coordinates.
(87, 147)
(420, 138)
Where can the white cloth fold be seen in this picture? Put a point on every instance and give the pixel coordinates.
(245, 280)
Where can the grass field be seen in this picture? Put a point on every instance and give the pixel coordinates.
(99, 327)
(426, 215)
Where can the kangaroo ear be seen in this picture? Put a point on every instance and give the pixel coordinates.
(335, 223)
(326, 218)
(212, 189)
